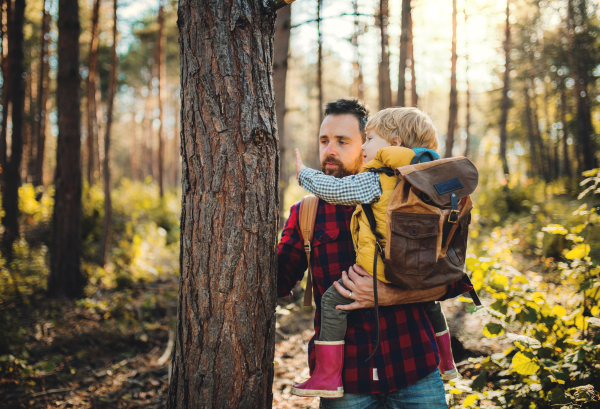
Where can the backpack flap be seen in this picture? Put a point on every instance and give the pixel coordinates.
(440, 178)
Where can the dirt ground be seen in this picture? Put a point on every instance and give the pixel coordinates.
(113, 350)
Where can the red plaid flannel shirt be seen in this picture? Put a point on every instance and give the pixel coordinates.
(407, 351)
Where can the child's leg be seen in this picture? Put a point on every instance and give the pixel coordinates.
(434, 312)
(326, 378)
(442, 338)
(333, 321)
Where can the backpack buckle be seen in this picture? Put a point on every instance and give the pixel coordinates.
(379, 247)
(452, 219)
(307, 247)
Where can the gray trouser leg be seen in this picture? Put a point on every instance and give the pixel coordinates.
(434, 312)
(333, 322)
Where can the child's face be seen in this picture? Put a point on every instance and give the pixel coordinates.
(373, 143)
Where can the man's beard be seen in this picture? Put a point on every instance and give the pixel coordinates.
(340, 171)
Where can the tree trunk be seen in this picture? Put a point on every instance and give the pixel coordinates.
(42, 100)
(147, 151)
(226, 314)
(505, 105)
(543, 152)
(563, 119)
(12, 171)
(66, 279)
(385, 86)
(453, 112)
(162, 76)
(414, 97)
(112, 88)
(319, 80)
(357, 82)
(577, 54)
(283, 25)
(6, 90)
(91, 94)
(404, 37)
(533, 154)
(468, 92)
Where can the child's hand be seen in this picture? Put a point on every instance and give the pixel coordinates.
(299, 164)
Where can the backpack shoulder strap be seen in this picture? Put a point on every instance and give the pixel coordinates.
(307, 216)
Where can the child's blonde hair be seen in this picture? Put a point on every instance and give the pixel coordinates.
(413, 127)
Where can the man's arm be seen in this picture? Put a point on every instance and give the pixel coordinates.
(291, 258)
(351, 190)
(360, 283)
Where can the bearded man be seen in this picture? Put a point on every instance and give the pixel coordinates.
(403, 373)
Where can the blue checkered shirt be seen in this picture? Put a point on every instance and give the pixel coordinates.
(351, 190)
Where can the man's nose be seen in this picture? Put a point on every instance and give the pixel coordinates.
(330, 150)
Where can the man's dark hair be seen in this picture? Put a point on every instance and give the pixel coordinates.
(352, 106)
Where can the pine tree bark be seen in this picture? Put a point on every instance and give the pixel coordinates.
(404, 37)
(162, 76)
(226, 323)
(41, 118)
(66, 279)
(91, 94)
(283, 25)
(12, 171)
(385, 85)
(112, 88)
(147, 152)
(505, 104)
(453, 111)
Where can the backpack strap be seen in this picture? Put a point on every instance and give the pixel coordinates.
(373, 225)
(417, 158)
(307, 215)
(388, 171)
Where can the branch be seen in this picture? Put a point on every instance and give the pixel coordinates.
(277, 4)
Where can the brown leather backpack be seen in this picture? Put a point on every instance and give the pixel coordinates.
(428, 219)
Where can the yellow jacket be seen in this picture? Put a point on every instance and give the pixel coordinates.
(364, 240)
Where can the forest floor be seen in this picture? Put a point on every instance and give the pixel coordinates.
(112, 350)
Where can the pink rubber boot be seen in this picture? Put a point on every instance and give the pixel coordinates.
(326, 380)
(447, 366)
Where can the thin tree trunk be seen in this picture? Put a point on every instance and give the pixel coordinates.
(385, 86)
(28, 115)
(112, 88)
(134, 152)
(66, 279)
(147, 151)
(414, 97)
(404, 37)
(543, 152)
(505, 105)
(229, 209)
(357, 82)
(12, 172)
(6, 90)
(563, 119)
(533, 154)
(42, 99)
(453, 111)
(161, 89)
(468, 91)
(283, 25)
(580, 77)
(91, 94)
(319, 77)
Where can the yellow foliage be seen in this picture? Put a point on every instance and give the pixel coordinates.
(523, 365)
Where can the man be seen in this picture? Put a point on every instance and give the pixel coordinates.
(403, 372)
